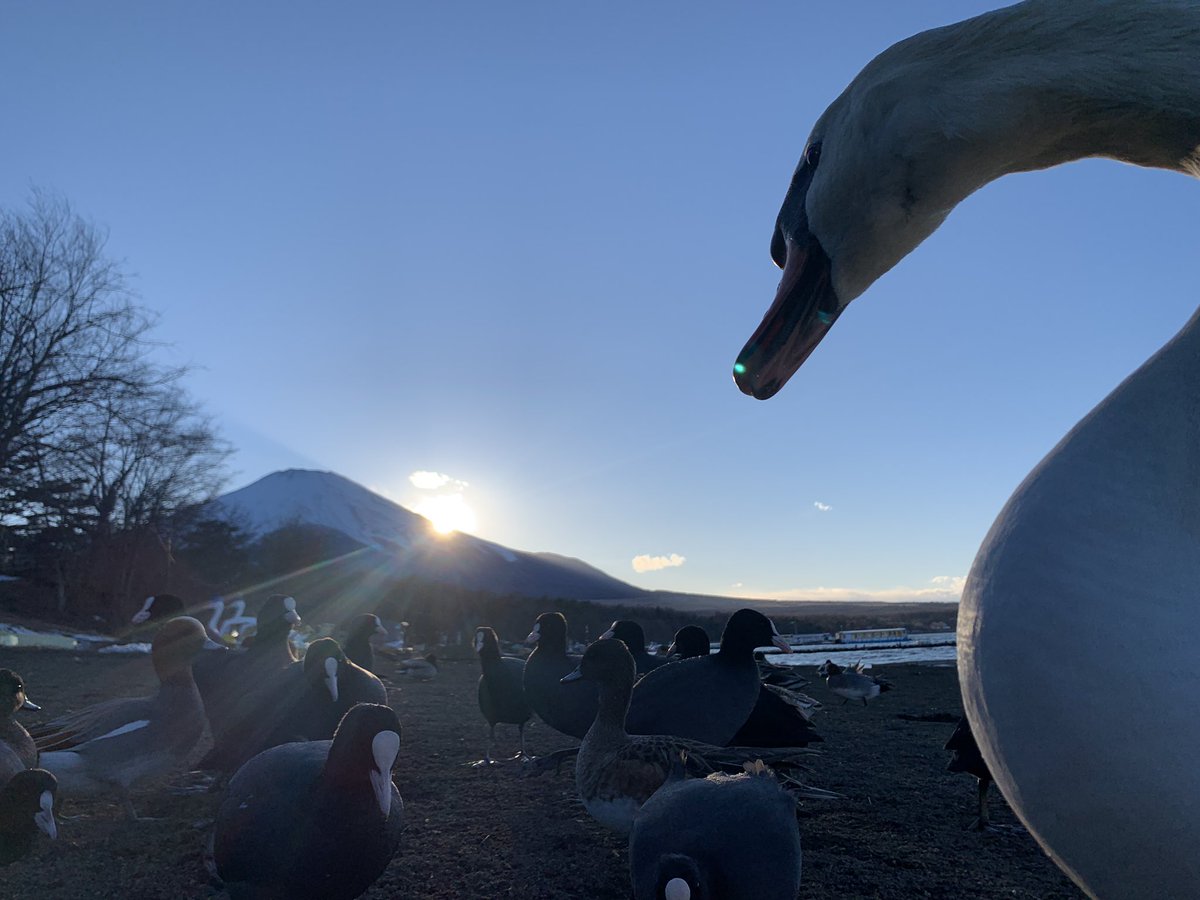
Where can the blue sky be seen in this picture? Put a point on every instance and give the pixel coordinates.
(520, 245)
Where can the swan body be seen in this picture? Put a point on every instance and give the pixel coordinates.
(1105, 530)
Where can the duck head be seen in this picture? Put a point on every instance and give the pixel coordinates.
(159, 608)
(486, 642)
(176, 644)
(629, 633)
(605, 662)
(12, 693)
(550, 630)
(322, 662)
(278, 613)
(748, 629)
(690, 640)
(364, 626)
(366, 743)
(828, 668)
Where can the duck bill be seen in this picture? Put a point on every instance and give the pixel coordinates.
(381, 786)
(804, 310)
(608, 635)
(571, 676)
(26, 703)
(781, 644)
(532, 637)
(44, 818)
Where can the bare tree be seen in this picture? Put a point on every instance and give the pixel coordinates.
(99, 445)
(70, 332)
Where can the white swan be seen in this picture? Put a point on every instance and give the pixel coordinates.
(1106, 530)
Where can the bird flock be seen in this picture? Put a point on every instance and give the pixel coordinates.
(701, 760)
(303, 749)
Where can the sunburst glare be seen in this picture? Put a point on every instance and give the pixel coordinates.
(447, 513)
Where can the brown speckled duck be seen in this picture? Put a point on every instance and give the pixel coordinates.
(110, 746)
(616, 772)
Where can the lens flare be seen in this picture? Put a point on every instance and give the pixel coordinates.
(447, 513)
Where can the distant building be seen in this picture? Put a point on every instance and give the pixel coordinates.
(870, 635)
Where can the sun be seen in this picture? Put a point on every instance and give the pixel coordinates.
(447, 513)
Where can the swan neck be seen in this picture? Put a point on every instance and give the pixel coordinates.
(1044, 83)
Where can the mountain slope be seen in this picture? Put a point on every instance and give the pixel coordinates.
(403, 543)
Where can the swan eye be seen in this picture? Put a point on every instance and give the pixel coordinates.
(812, 154)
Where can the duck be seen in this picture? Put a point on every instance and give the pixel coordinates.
(781, 676)
(113, 745)
(317, 820)
(236, 698)
(780, 718)
(17, 749)
(1103, 527)
(690, 641)
(707, 698)
(299, 703)
(158, 608)
(357, 645)
(351, 683)
(501, 692)
(26, 807)
(967, 758)
(304, 702)
(208, 669)
(567, 708)
(728, 836)
(616, 772)
(853, 683)
(630, 633)
(420, 668)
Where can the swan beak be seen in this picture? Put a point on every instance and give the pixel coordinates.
(571, 676)
(805, 308)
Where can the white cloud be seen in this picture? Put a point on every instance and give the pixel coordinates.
(433, 481)
(951, 582)
(823, 507)
(943, 589)
(646, 563)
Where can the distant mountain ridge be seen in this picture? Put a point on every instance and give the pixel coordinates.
(406, 540)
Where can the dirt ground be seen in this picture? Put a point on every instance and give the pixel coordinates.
(494, 833)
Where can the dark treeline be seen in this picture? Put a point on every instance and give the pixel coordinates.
(333, 578)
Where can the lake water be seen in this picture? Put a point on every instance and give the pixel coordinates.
(935, 649)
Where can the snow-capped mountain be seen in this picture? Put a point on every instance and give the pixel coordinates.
(328, 500)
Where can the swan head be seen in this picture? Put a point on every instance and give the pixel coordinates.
(881, 170)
